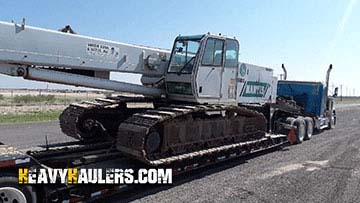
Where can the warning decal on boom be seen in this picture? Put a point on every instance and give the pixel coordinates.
(102, 50)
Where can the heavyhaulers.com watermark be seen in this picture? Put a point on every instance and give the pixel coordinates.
(94, 176)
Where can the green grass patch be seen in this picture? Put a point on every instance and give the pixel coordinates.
(34, 99)
(1, 97)
(30, 117)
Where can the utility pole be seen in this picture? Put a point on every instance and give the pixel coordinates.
(341, 93)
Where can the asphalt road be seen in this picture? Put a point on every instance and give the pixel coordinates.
(324, 169)
(28, 135)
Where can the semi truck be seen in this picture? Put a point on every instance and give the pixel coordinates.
(206, 107)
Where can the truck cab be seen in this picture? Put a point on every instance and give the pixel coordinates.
(206, 69)
(313, 98)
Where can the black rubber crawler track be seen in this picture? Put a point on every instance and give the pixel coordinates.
(96, 121)
(226, 132)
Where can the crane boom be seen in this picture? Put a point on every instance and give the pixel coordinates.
(53, 56)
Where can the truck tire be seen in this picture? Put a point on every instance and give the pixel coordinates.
(332, 121)
(11, 191)
(300, 131)
(300, 128)
(309, 128)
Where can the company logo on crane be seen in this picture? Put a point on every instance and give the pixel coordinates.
(255, 89)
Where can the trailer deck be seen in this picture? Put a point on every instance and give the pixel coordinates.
(104, 155)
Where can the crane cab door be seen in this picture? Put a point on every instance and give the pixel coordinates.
(216, 76)
(230, 71)
(209, 73)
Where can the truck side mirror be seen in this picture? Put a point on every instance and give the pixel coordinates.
(336, 92)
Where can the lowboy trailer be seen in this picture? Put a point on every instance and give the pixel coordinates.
(103, 155)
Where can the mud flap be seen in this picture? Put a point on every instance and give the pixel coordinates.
(292, 136)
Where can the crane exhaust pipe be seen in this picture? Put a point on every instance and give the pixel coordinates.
(285, 72)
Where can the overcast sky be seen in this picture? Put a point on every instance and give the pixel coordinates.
(305, 35)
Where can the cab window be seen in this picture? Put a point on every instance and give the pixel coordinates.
(231, 53)
(183, 56)
(213, 53)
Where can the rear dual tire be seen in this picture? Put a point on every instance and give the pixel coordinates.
(309, 128)
(300, 130)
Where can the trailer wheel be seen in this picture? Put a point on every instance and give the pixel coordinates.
(11, 191)
(309, 126)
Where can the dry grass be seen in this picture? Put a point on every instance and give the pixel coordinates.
(18, 106)
(347, 100)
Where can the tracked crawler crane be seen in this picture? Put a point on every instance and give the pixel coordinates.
(204, 100)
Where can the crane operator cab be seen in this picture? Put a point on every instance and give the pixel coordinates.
(206, 69)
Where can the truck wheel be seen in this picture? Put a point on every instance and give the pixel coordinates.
(300, 128)
(309, 126)
(300, 131)
(11, 191)
(332, 121)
